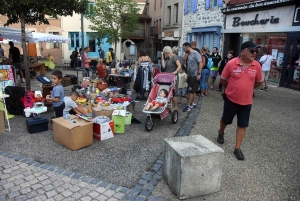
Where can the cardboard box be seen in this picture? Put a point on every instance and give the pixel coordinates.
(2, 121)
(103, 111)
(74, 136)
(103, 131)
(130, 108)
(118, 116)
(128, 118)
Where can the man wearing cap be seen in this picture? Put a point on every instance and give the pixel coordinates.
(240, 76)
(15, 60)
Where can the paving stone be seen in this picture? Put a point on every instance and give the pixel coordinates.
(7, 171)
(159, 161)
(112, 199)
(4, 192)
(41, 191)
(140, 198)
(150, 173)
(25, 184)
(69, 199)
(51, 199)
(82, 184)
(33, 181)
(32, 194)
(84, 191)
(145, 192)
(76, 176)
(15, 188)
(102, 198)
(57, 183)
(5, 176)
(104, 184)
(124, 190)
(49, 187)
(138, 187)
(67, 185)
(149, 187)
(129, 197)
(134, 192)
(113, 187)
(86, 198)
(67, 193)
(60, 171)
(94, 181)
(60, 189)
(13, 194)
(52, 168)
(46, 182)
(157, 165)
(20, 198)
(76, 196)
(42, 178)
(36, 186)
(109, 193)
(9, 185)
(25, 190)
(44, 166)
(51, 193)
(100, 189)
(40, 197)
(74, 189)
(91, 187)
(119, 195)
(58, 197)
(94, 194)
(154, 182)
(146, 177)
(86, 178)
(158, 177)
(143, 182)
(19, 176)
(68, 173)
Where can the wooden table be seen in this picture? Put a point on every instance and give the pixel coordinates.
(37, 67)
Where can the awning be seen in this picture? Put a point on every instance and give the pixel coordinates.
(171, 38)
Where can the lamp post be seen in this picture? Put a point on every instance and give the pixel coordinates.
(82, 41)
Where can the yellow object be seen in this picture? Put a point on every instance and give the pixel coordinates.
(97, 91)
(89, 108)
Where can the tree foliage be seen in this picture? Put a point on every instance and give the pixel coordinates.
(31, 12)
(114, 19)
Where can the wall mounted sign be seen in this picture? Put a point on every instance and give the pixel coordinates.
(238, 22)
(273, 18)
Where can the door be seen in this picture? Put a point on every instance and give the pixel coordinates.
(290, 75)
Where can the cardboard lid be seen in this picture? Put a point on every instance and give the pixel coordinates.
(71, 125)
(119, 113)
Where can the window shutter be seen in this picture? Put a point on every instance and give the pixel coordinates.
(220, 3)
(195, 6)
(186, 2)
(207, 4)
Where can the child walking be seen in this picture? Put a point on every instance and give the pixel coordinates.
(182, 85)
(57, 95)
(159, 101)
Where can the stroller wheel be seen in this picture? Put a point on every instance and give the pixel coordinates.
(174, 117)
(149, 123)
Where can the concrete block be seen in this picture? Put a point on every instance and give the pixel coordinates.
(192, 166)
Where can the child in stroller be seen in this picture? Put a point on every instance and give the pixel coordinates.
(159, 101)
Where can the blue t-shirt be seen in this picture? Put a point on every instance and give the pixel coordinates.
(58, 92)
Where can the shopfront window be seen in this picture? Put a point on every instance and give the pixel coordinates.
(275, 44)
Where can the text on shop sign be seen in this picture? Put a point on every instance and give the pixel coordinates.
(237, 21)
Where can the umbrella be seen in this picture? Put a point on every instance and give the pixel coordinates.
(12, 34)
(49, 38)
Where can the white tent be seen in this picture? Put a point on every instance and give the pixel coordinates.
(16, 35)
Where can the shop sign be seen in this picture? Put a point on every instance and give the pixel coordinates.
(255, 5)
(237, 21)
(296, 20)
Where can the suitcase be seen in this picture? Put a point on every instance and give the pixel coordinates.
(37, 124)
(43, 79)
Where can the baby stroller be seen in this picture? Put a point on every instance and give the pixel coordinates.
(161, 81)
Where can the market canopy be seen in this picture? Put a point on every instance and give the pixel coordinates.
(16, 36)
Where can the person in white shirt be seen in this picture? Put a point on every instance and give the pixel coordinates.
(266, 62)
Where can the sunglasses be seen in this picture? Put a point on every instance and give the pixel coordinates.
(252, 51)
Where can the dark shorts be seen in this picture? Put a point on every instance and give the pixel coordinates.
(231, 109)
(59, 110)
(192, 84)
(17, 65)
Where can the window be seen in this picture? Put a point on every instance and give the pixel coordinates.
(154, 24)
(161, 3)
(90, 9)
(214, 3)
(74, 36)
(170, 14)
(132, 49)
(54, 45)
(189, 6)
(92, 43)
(176, 12)
(210, 40)
(159, 26)
(154, 4)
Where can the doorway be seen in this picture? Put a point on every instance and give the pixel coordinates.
(290, 75)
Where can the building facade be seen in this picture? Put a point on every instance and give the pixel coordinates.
(203, 23)
(275, 26)
(42, 49)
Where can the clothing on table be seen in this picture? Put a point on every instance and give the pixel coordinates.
(170, 64)
(15, 52)
(182, 83)
(69, 104)
(193, 61)
(58, 92)
(216, 58)
(266, 61)
(241, 80)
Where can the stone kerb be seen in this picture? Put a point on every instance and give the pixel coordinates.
(192, 166)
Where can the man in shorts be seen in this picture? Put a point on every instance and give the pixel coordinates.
(266, 62)
(240, 76)
(15, 60)
(194, 68)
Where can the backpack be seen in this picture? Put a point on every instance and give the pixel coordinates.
(209, 62)
(28, 100)
(14, 103)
